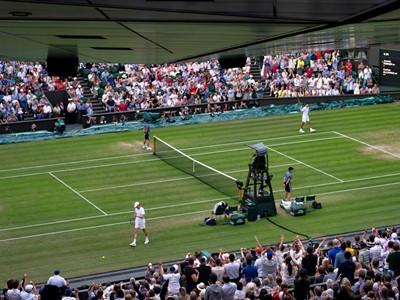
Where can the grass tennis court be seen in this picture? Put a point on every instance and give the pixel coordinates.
(66, 203)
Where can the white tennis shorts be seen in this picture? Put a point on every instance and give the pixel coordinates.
(140, 223)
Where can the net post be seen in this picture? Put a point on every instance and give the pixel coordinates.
(154, 145)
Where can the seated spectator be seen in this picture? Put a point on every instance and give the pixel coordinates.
(47, 110)
(39, 113)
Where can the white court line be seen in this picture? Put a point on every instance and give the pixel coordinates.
(111, 214)
(73, 162)
(170, 216)
(360, 188)
(143, 161)
(77, 193)
(81, 168)
(346, 181)
(273, 145)
(146, 154)
(366, 144)
(97, 226)
(254, 141)
(137, 184)
(307, 165)
(163, 181)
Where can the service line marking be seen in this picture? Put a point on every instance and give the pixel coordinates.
(169, 216)
(307, 165)
(77, 193)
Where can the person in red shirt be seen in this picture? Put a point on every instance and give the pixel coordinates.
(349, 66)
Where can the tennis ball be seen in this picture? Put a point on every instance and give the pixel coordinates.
(103, 257)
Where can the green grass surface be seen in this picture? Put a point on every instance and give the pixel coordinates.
(66, 203)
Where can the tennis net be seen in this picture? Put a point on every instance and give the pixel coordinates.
(218, 180)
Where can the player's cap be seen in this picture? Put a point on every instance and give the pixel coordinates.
(290, 168)
(136, 204)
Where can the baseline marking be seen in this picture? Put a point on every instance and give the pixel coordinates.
(77, 193)
(366, 144)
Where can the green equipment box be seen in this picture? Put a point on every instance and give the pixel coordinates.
(238, 219)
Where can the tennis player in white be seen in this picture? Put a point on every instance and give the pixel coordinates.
(140, 223)
(305, 118)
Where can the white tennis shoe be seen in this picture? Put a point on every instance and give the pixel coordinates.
(146, 241)
(301, 130)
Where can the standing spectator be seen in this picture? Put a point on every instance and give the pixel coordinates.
(375, 252)
(23, 100)
(347, 268)
(232, 269)
(13, 291)
(332, 253)
(259, 89)
(204, 271)
(349, 67)
(349, 84)
(393, 260)
(249, 270)
(214, 290)
(30, 292)
(364, 255)
(218, 269)
(339, 258)
(288, 271)
(174, 277)
(309, 261)
(269, 263)
(301, 286)
(192, 276)
(228, 289)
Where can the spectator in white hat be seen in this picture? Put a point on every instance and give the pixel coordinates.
(29, 292)
(174, 277)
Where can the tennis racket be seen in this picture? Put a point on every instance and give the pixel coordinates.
(132, 221)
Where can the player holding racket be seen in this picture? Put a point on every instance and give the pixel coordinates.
(140, 223)
(305, 118)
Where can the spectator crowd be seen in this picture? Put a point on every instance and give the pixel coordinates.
(367, 268)
(134, 87)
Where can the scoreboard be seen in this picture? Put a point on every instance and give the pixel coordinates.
(389, 67)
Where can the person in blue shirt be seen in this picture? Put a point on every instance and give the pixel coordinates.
(287, 184)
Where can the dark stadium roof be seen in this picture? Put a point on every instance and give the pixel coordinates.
(162, 31)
